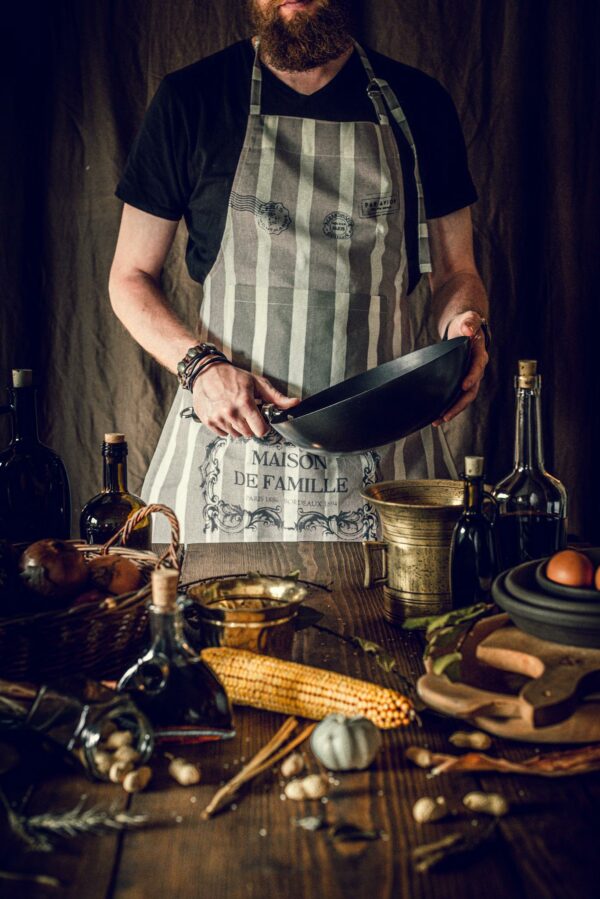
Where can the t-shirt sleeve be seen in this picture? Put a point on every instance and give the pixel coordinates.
(442, 154)
(155, 175)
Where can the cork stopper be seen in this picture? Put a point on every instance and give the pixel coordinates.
(114, 438)
(164, 589)
(474, 466)
(528, 376)
(22, 377)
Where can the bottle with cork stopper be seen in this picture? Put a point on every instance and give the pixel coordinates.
(108, 511)
(532, 504)
(35, 499)
(473, 563)
(178, 692)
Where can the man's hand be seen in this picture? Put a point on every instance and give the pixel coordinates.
(225, 401)
(468, 324)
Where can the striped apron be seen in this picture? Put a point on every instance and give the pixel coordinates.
(308, 289)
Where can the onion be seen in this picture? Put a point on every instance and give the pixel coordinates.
(53, 569)
(116, 574)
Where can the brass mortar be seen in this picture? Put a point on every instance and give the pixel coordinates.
(417, 520)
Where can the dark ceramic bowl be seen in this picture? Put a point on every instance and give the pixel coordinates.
(522, 582)
(379, 406)
(568, 628)
(578, 594)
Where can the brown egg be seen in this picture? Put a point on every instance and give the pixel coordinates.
(570, 568)
(597, 578)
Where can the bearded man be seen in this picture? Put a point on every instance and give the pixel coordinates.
(317, 180)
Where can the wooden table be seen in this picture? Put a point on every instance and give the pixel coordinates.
(546, 847)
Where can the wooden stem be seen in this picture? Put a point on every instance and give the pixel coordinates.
(265, 758)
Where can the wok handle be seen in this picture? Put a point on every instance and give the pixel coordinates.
(370, 549)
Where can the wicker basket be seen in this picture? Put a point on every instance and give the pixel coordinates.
(99, 640)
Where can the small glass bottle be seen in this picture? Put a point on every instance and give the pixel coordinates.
(76, 717)
(182, 697)
(532, 504)
(35, 498)
(473, 563)
(108, 511)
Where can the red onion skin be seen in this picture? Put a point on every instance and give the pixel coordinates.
(54, 569)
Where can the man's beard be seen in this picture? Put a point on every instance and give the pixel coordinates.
(304, 41)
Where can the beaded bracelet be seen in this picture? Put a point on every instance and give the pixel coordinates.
(188, 366)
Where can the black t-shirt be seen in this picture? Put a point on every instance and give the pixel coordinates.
(185, 156)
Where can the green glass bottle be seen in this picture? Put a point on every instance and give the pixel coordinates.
(108, 511)
(473, 563)
(35, 500)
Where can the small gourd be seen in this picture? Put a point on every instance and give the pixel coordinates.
(345, 744)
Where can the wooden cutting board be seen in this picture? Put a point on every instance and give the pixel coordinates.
(517, 686)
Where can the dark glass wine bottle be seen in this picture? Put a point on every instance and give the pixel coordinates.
(473, 563)
(34, 488)
(532, 505)
(179, 693)
(108, 511)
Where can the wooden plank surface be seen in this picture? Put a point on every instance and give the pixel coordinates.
(545, 847)
(256, 850)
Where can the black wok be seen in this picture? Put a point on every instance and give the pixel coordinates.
(379, 406)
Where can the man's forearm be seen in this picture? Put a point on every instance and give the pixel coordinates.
(143, 309)
(462, 292)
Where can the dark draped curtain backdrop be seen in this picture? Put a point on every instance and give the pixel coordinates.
(524, 75)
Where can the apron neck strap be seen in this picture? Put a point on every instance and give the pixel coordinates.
(381, 95)
(256, 83)
(373, 88)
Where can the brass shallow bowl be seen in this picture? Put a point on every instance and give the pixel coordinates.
(256, 612)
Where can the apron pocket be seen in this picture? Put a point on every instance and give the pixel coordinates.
(306, 340)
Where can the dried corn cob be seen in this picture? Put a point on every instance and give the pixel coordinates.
(278, 686)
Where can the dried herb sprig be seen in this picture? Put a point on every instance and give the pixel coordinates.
(445, 635)
(382, 657)
(429, 855)
(39, 831)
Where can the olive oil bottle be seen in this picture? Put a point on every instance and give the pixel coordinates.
(182, 697)
(108, 511)
(35, 499)
(532, 504)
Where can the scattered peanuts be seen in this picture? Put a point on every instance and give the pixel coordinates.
(471, 740)
(137, 780)
(127, 754)
(118, 771)
(423, 758)
(184, 772)
(428, 809)
(487, 803)
(294, 790)
(119, 738)
(314, 786)
(292, 765)
(103, 761)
